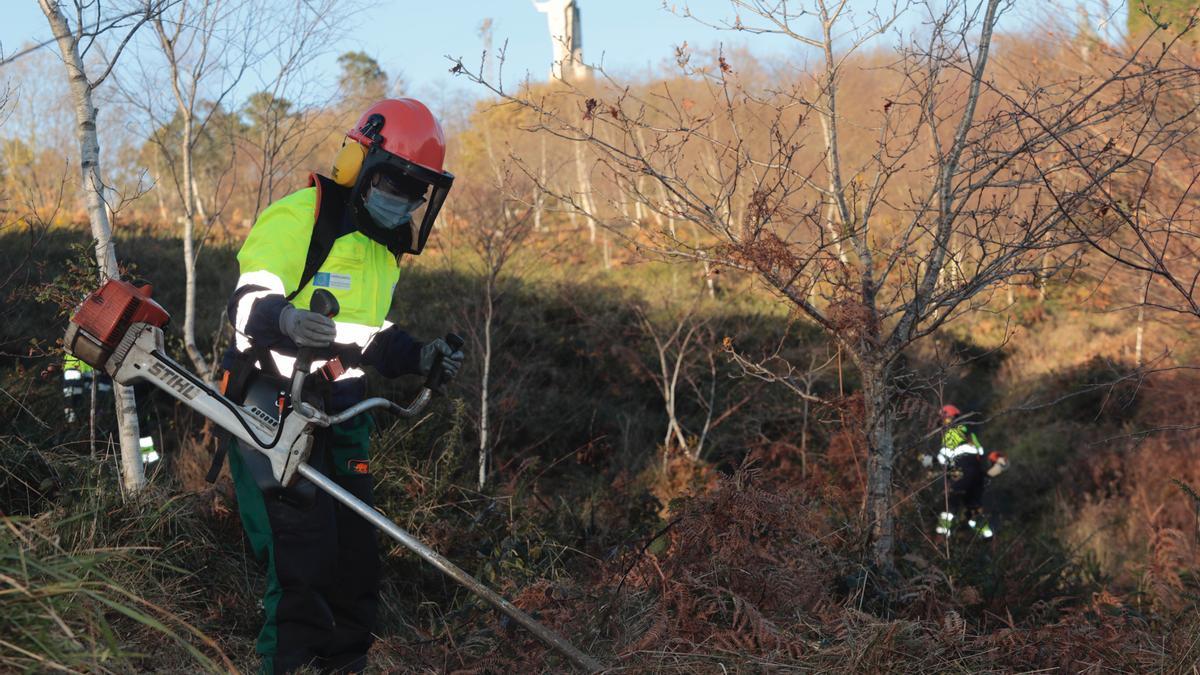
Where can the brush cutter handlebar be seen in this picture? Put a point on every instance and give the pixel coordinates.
(433, 385)
(437, 374)
(323, 302)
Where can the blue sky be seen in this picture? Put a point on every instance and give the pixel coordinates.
(413, 37)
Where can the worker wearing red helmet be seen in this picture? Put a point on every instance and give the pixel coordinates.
(967, 470)
(345, 234)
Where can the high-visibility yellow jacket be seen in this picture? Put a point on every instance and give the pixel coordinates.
(72, 363)
(358, 271)
(956, 442)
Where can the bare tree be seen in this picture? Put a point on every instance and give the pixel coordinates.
(672, 350)
(208, 47)
(74, 45)
(1146, 220)
(287, 124)
(1142, 226)
(879, 243)
(686, 374)
(495, 227)
(207, 51)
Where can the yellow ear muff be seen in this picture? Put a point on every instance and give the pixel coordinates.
(348, 163)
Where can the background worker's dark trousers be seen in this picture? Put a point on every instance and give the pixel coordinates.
(322, 559)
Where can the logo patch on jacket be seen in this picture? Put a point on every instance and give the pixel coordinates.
(359, 466)
(327, 280)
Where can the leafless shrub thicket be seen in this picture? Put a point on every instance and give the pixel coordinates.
(881, 193)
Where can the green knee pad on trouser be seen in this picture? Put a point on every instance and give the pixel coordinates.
(322, 559)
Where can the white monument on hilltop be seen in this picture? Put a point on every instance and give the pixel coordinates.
(566, 37)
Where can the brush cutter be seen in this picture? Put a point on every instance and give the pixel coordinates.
(118, 328)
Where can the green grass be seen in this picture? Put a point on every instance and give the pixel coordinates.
(72, 607)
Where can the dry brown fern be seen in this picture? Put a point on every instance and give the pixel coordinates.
(653, 634)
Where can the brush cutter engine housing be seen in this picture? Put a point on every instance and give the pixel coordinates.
(118, 328)
(106, 316)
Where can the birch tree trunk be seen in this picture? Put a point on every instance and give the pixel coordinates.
(665, 200)
(133, 477)
(539, 193)
(1141, 324)
(198, 202)
(1041, 279)
(187, 192)
(585, 192)
(485, 448)
(158, 195)
(190, 201)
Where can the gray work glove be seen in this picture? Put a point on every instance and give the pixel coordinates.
(998, 468)
(451, 359)
(307, 329)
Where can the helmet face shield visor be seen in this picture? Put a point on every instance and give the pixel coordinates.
(401, 197)
(433, 206)
(389, 207)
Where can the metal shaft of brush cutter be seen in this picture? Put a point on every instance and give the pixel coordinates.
(324, 303)
(436, 559)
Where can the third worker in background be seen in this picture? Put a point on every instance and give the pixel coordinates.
(966, 472)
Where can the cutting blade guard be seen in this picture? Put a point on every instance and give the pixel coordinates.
(106, 316)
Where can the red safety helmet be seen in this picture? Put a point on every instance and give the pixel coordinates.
(401, 139)
(950, 411)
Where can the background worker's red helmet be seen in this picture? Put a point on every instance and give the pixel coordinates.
(401, 139)
(950, 411)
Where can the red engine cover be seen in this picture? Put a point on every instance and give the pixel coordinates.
(108, 313)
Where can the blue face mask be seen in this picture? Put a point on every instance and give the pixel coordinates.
(391, 211)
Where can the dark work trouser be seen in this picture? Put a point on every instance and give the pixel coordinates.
(966, 486)
(965, 481)
(322, 559)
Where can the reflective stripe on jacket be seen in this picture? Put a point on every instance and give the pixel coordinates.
(948, 455)
(956, 442)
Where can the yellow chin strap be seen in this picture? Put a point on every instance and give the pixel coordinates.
(348, 163)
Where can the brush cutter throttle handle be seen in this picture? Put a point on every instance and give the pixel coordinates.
(323, 303)
(437, 374)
